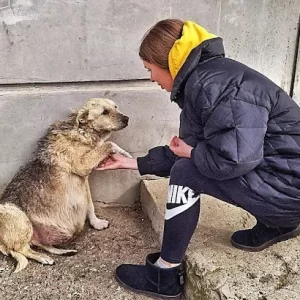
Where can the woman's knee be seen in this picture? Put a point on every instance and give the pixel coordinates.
(185, 173)
(182, 166)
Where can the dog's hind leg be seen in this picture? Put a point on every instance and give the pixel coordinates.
(41, 258)
(53, 250)
(22, 261)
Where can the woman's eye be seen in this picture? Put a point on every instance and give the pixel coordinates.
(105, 112)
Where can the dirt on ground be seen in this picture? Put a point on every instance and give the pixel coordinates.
(90, 273)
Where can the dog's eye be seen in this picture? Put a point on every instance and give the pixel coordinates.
(105, 112)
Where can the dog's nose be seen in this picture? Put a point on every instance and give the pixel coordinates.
(125, 119)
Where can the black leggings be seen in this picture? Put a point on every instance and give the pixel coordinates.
(183, 206)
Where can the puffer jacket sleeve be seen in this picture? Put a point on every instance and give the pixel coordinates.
(158, 161)
(233, 141)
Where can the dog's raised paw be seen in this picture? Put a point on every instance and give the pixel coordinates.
(117, 149)
(100, 224)
(125, 153)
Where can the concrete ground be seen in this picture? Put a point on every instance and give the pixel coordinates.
(216, 270)
(90, 273)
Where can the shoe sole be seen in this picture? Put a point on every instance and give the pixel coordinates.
(152, 294)
(281, 238)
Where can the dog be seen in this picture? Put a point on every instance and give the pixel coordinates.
(48, 200)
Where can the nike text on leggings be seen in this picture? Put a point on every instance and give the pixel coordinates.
(182, 212)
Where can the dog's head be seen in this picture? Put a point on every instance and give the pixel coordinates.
(101, 115)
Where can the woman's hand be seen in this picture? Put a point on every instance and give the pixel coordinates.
(117, 161)
(180, 148)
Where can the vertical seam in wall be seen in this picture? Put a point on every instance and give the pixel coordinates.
(219, 18)
(296, 60)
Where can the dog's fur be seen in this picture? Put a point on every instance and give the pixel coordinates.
(48, 200)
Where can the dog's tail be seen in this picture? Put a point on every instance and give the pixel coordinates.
(22, 261)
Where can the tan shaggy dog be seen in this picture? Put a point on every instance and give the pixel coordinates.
(49, 199)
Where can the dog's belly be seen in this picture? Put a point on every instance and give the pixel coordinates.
(50, 235)
(67, 220)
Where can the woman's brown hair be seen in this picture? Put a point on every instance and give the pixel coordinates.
(158, 41)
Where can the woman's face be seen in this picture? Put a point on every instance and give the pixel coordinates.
(159, 75)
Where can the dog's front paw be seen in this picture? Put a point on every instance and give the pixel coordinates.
(99, 224)
(125, 153)
(119, 150)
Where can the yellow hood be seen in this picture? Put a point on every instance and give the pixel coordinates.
(192, 36)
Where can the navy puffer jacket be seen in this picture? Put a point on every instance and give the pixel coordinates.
(239, 122)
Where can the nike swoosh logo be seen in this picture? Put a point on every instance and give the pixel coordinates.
(171, 213)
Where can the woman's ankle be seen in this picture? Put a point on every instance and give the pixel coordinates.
(161, 263)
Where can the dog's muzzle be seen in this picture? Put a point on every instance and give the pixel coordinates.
(125, 120)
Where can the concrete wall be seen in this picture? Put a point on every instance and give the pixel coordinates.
(57, 54)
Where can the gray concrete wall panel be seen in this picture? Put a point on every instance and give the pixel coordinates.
(69, 41)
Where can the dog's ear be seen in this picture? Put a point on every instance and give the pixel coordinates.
(82, 117)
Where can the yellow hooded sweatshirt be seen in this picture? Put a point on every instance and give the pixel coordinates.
(192, 36)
